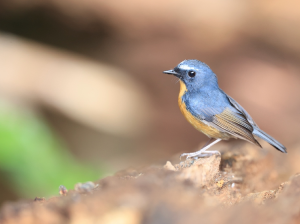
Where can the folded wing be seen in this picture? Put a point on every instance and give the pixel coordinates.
(232, 122)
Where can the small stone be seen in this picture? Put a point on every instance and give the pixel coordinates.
(63, 190)
(85, 187)
(169, 166)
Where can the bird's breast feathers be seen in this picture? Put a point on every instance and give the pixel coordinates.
(197, 123)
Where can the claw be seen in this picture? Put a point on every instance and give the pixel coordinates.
(202, 152)
(195, 157)
(188, 156)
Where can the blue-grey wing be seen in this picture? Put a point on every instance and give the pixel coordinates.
(242, 110)
(224, 115)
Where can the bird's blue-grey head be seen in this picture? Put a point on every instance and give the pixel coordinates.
(195, 75)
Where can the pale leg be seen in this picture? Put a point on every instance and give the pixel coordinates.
(201, 153)
(207, 143)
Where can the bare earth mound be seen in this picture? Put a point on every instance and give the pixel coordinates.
(242, 186)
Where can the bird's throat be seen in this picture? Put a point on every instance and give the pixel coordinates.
(183, 89)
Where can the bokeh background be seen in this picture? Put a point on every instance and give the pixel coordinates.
(82, 94)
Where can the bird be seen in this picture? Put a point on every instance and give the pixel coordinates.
(211, 111)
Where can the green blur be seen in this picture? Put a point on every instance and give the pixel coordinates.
(34, 161)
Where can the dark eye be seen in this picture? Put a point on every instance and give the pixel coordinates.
(192, 74)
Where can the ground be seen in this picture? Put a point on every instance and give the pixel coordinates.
(243, 185)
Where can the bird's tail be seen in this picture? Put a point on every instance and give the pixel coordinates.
(263, 135)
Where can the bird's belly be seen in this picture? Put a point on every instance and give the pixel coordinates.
(209, 131)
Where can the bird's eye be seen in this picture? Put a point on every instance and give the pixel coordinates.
(192, 74)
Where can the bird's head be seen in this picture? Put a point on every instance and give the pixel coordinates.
(194, 74)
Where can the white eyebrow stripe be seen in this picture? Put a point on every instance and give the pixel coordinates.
(185, 67)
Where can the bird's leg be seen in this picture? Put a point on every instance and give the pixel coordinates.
(201, 153)
(206, 144)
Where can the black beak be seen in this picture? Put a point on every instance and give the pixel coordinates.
(171, 72)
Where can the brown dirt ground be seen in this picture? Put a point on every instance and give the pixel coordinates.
(243, 185)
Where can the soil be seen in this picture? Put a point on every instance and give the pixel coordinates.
(243, 185)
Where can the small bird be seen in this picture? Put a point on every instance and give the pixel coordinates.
(211, 111)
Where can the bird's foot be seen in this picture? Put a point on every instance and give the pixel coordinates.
(196, 155)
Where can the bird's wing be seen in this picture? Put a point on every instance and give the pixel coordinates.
(257, 131)
(232, 122)
(241, 109)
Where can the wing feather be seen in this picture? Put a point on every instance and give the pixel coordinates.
(233, 123)
(237, 106)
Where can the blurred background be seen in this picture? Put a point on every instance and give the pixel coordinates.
(82, 94)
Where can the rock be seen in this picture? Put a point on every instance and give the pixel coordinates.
(63, 190)
(201, 171)
(169, 166)
(85, 187)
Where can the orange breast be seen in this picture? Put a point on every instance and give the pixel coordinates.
(211, 132)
